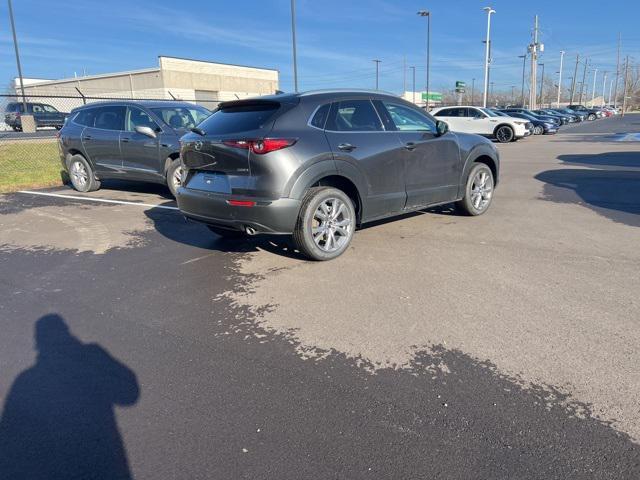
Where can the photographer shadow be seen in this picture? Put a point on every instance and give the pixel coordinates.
(58, 420)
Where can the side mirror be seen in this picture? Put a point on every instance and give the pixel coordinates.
(148, 131)
(441, 128)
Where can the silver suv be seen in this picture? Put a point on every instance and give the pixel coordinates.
(318, 164)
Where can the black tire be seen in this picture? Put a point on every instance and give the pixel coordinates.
(173, 172)
(504, 134)
(538, 130)
(91, 183)
(58, 127)
(226, 233)
(466, 205)
(303, 232)
(591, 117)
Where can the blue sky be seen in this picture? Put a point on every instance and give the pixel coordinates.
(337, 40)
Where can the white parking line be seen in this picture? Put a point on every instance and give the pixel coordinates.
(103, 200)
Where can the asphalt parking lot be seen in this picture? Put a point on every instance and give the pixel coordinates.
(438, 346)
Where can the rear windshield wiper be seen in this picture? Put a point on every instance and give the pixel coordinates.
(199, 131)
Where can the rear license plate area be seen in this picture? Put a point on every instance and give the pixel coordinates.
(210, 182)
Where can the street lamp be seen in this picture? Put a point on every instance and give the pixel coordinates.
(413, 91)
(524, 65)
(541, 84)
(473, 91)
(426, 13)
(293, 35)
(377, 62)
(489, 11)
(15, 45)
(562, 52)
(593, 91)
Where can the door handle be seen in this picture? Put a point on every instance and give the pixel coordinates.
(346, 147)
(410, 146)
(88, 137)
(125, 140)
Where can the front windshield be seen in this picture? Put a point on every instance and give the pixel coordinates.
(491, 113)
(182, 118)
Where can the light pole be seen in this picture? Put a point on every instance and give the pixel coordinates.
(15, 45)
(426, 13)
(541, 84)
(604, 87)
(593, 90)
(473, 91)
(414, 84)
(489, 11)
(560, 77)
(377, 62)
(524, 65)
(491, 90)
(293, 39)
(513, 98)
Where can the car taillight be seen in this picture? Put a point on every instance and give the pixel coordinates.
(261, 146)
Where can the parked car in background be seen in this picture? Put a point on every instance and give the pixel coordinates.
(44, 115)
(129, 140)
(544, 118)
(540, 127)
(573, 118)
(590, 113)
(318, 164)
(581, 115)
(564, 119)
(529, 126)
(482, 121)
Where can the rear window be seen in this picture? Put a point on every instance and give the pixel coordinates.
(85, 117)
(239, 118)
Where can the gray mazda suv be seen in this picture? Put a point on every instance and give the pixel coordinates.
(128, 140)
(318, 164)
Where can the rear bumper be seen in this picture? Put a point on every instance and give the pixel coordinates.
(266, 216)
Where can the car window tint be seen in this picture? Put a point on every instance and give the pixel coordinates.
(110, 118)
(49, 108)
(407, 119)
(38, 108)
(182, 118)
(444, 113)
(85, 117)
(320, 117)
(138, 118)
(239, 118)
(354, 116)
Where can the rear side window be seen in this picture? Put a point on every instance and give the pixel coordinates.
(353, 116)
(320, 117)
(85, 117)
(444, 113)
(239, 118)
(110, 118)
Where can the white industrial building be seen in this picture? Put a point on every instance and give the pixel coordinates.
(184, 79)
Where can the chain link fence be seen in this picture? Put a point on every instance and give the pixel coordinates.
(29, 159)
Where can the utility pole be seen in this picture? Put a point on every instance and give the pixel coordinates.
(413, 90)
(610, 91)
(524, 65)
(513, 97)
(15, 45)
(404, 75)
(593, 91)
(575, 76)
(604, 87)
(560, 78)
(615, 93)
(535, 47)
(293, 37)
(425, 13)
(584, 77)
(624, 92)
(473, 88)
(541, 84)
(489, 11)
(377, 62)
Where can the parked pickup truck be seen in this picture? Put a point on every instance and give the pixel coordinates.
(44, 115)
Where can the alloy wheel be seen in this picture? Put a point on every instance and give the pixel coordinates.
(481, 190)
(176, 178)
(332, 225)
(504, 134)
(79, 175)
